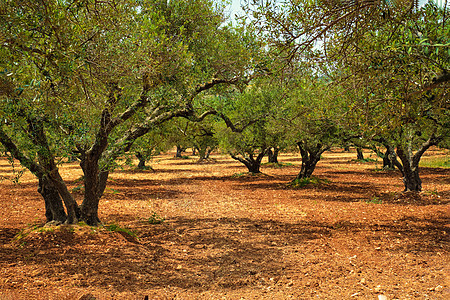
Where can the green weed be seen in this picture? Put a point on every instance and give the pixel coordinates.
(375, 200)
(118, 228)
(155, 219)
(277, 165)
(364, 160)
(79, 188)
(302, 182)
(436, 162)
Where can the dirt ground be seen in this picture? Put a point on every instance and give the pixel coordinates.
(227, 235)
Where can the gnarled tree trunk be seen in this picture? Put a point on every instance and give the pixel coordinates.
(390, 159)
(359, 154)
(140, 157)
(272, 155)
(253, 164)
(89, 207)
(389, 156)
(310, 158)
(410, 162)
(47, 161)
(180, 150)
(51, 185)
(410, 170)
(204, 153)
(54, 208)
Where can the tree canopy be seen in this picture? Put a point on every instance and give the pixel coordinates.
(92, 80)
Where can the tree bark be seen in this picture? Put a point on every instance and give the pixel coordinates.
(310, 158)
(204, 152)
(47, 161)
(180, 151)
(253, 164)
(359, 154)
(208, 152)
(272, 155)
(410, 170)
(390, 159)
(140, 157)
(201, 153)
(89, 207)
(410, 162)
(102, 181)
(54, 209)
(45, 169)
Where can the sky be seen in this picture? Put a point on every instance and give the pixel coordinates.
(235, 8)
(236, 5)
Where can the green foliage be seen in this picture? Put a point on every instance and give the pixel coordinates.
(118, 228)
(88, 78)
(302, 182)
(375, 200)
(78, 188)
(246, 174)
(366, 160)
(16, 174)
(257, 111)
(279, 165)
(155, 219)
(436, 162)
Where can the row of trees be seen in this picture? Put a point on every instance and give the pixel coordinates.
(388, 64)
(95, 80)
(86, 79)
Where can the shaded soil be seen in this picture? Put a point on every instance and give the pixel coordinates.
(227, 235)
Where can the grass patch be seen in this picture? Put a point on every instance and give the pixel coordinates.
(145, 168)
(435, 162)
(277, 165)
(79, 189)
(111, 191)
(243, 174)
(365, 160)
(248, 174)
(302, 182)
(375, 200)
(155, 219)
(118, 228)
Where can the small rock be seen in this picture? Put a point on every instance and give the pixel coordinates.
(382, 297)
(39, 282)
(52, 224)
(363, 281)
(438, 288)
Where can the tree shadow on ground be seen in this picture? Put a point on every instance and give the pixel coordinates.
(205, 253)
(154, 171)
(194, 161)
(349, 191)
(186, 253)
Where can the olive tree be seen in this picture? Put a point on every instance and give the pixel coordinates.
(401, 71)
(89, 78)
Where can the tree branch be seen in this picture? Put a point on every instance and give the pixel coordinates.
(442, 79)
(12, 148)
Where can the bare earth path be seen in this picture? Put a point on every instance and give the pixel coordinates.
(354, 236)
